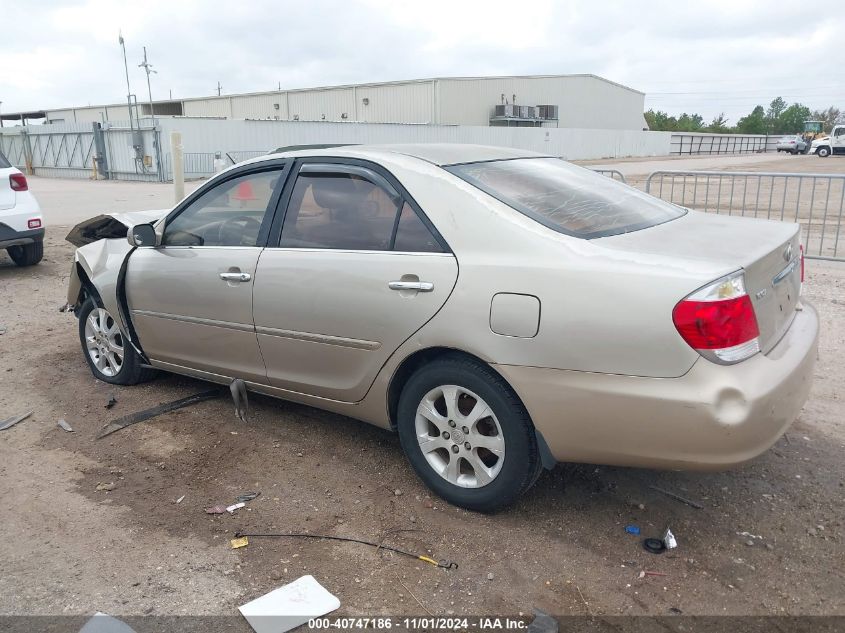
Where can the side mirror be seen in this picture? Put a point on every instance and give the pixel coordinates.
(142, 235)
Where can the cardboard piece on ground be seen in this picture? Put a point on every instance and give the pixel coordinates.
(102, 623)
(290, 606)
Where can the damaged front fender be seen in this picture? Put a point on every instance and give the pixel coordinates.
(111, 225)
(100, 261)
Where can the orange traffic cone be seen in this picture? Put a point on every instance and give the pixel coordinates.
(244, 192)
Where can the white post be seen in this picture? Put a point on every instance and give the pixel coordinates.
(178, 167)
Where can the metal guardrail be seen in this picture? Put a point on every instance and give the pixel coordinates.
(613, 174)
(816, 201)
(691, 144)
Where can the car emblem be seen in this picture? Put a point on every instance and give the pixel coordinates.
(787, 254)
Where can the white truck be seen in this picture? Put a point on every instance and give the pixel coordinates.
(834, 143)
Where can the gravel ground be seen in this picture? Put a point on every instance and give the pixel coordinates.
(69, 548)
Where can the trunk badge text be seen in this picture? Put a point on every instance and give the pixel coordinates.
(761, 293)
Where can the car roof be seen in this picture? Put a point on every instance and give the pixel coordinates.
(436, 153)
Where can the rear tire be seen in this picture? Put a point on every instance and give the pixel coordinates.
(27, 254)
(474, 445)
(111, 358)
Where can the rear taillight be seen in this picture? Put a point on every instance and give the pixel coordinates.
(18, 182)
(719, 322)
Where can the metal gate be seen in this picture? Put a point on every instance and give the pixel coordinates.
(109, 150)
(815, 201)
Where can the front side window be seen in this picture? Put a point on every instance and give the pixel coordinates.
(566, 198)
(340, 210)
(229, 214)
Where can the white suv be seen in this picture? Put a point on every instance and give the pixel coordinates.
(21, 222)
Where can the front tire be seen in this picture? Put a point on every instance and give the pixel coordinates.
(823, 152)
(27, 254)
(111, 358)
(467, 435)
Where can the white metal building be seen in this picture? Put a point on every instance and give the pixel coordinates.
(566, 101)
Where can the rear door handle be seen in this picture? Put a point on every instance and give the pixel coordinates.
(235, 276)
(419, 286)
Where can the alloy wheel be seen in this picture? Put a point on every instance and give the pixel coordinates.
(459, 436)
(104, 342)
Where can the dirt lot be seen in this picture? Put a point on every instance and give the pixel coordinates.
(69, 548)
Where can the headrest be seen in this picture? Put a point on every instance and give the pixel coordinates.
(336, 193)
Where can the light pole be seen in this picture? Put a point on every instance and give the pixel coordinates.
(128, 89)
(148, 67)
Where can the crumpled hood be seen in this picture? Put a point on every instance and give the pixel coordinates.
(111, 225)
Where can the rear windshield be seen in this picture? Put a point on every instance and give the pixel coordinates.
(566, 198)
(4, 163)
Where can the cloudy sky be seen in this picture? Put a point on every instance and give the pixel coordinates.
(706, 56)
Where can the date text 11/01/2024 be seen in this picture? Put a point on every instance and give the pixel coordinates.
(421, 623)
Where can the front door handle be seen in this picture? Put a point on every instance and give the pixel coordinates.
(235, 276)
(419, 286)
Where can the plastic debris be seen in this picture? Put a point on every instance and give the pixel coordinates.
(64, 425)
(542, 623)
(112, 401)
(669, 539)
(654, 545)
(633, 529)
(179, 500)
(290, 606)
(237, 506)
(215, 510)
(247, 496)
(749, 535)
(239, 397)
(106, 487)
(2, 330)
(10, 422)
(140, 416)
(237, 543)
(102, 623)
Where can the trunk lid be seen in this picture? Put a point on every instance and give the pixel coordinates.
(768, 252)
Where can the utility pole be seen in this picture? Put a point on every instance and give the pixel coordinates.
(219, 89)
(128, 89)
(148, 67)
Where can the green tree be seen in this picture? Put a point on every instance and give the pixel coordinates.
(776, 108)
(660, 121)
(719, 124)
(832, 116)
(754, 123)
(791, 120)
(690, 122)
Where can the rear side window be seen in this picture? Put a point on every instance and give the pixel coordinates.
(346, 207)
(339, 211)
(413, 236)
(4, 163)
(566, 198)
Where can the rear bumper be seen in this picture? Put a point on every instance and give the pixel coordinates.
(713, 417)
(11, 237)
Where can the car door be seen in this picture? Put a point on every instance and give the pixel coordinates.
(837, 140)
(356, 270)
(190, 299)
